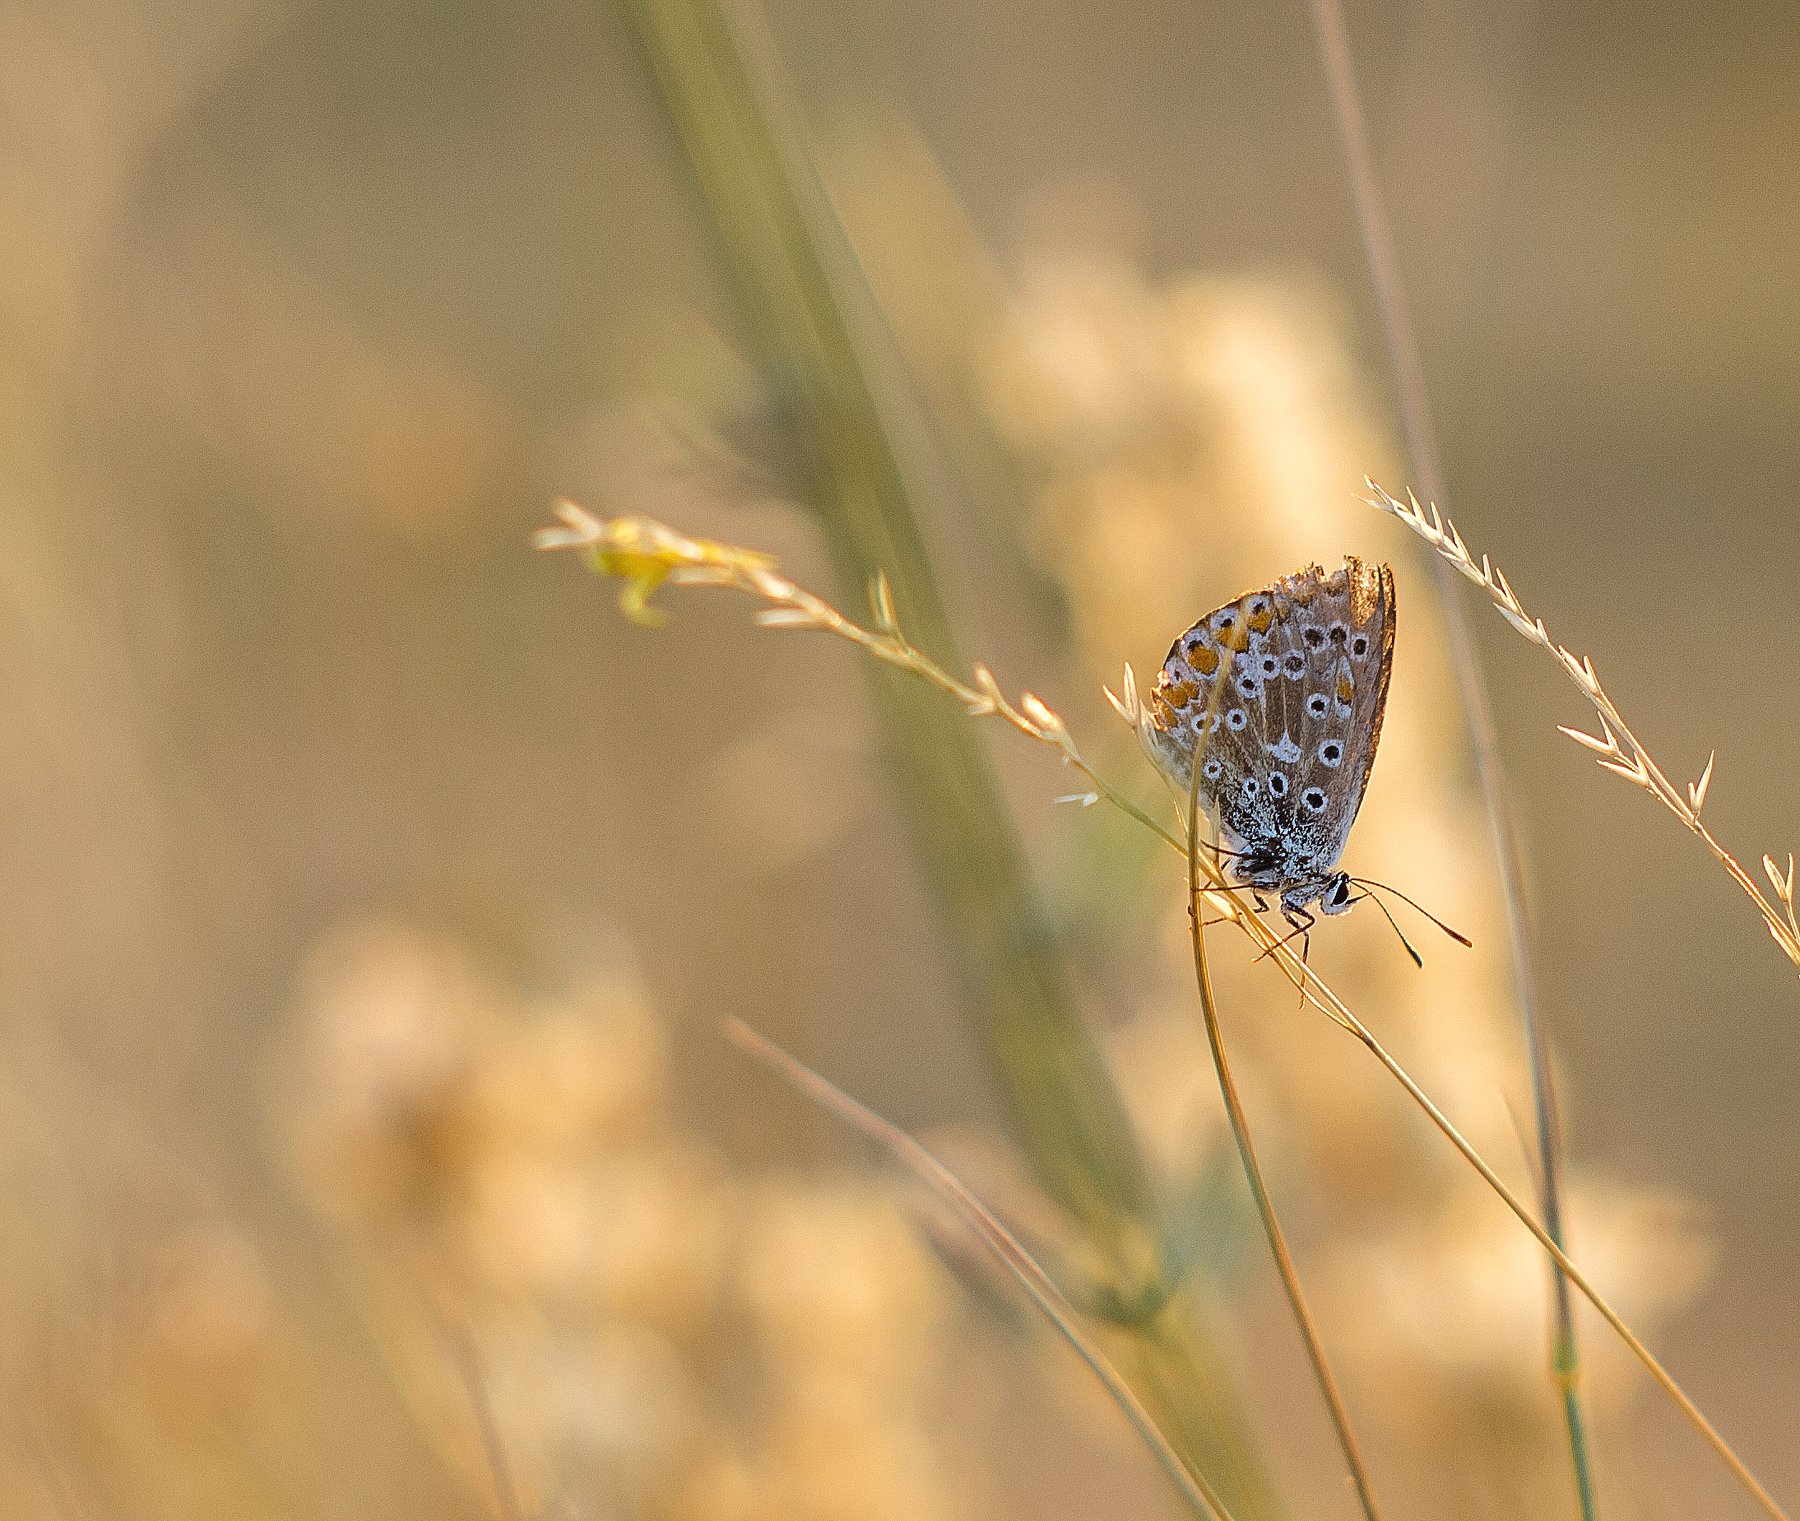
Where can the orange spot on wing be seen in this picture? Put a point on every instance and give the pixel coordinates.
(1204, 660)
(1346, 689)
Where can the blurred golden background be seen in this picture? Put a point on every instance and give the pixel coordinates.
(375, 891)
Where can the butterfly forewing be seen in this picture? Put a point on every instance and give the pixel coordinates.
(1280, 694)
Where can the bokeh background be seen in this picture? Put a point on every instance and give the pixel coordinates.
(373, 890)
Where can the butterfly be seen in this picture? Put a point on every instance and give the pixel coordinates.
(1280, 694)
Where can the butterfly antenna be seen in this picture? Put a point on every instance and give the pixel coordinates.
(1418, 960)
(1456, 935)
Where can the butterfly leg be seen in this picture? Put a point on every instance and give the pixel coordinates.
(1302, 923)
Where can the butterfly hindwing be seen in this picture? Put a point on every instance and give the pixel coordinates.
(1347, 629)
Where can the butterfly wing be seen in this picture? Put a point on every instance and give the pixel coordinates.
(1343, 624)
(1281, 695)
(1219, 697)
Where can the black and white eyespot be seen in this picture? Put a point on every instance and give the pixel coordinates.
(1236, 720)
(1359, 646)
(1194, 644)
(1312, 636)
(1294, 664)
(1269, 666)
(1248, 685)
(1313, 799)
(1213, 769)
(1224, 618)
(1278, 784)
(1331, 753)
(1337, 634)
(1198, 722)
(1318, 705)
(1250, 787)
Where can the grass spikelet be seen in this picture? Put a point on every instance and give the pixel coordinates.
(1618, 749)
(645, 554)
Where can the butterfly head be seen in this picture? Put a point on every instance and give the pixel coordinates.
(1335, 896)
(1332, 893)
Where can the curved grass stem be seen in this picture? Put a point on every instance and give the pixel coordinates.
(1574, 1275)
(1005, 1247)
(1253, 1175)
(1317, 992)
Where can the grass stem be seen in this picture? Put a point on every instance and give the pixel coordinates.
(1253, 1174)
(1664, 1380)
(1408, 371)
(1005, 1247)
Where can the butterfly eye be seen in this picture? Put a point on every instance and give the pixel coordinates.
(1236, 719)
(1312, 637)
(1331, 752)
(1250, 787)
(1248, 685)
(1314, 798)
(1318, 704)
(1294, 663)
(1278, 784)
(1213, 770)
(1359, 646)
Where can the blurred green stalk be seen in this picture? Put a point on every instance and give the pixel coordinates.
(806, 313)
(1065, 1104)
